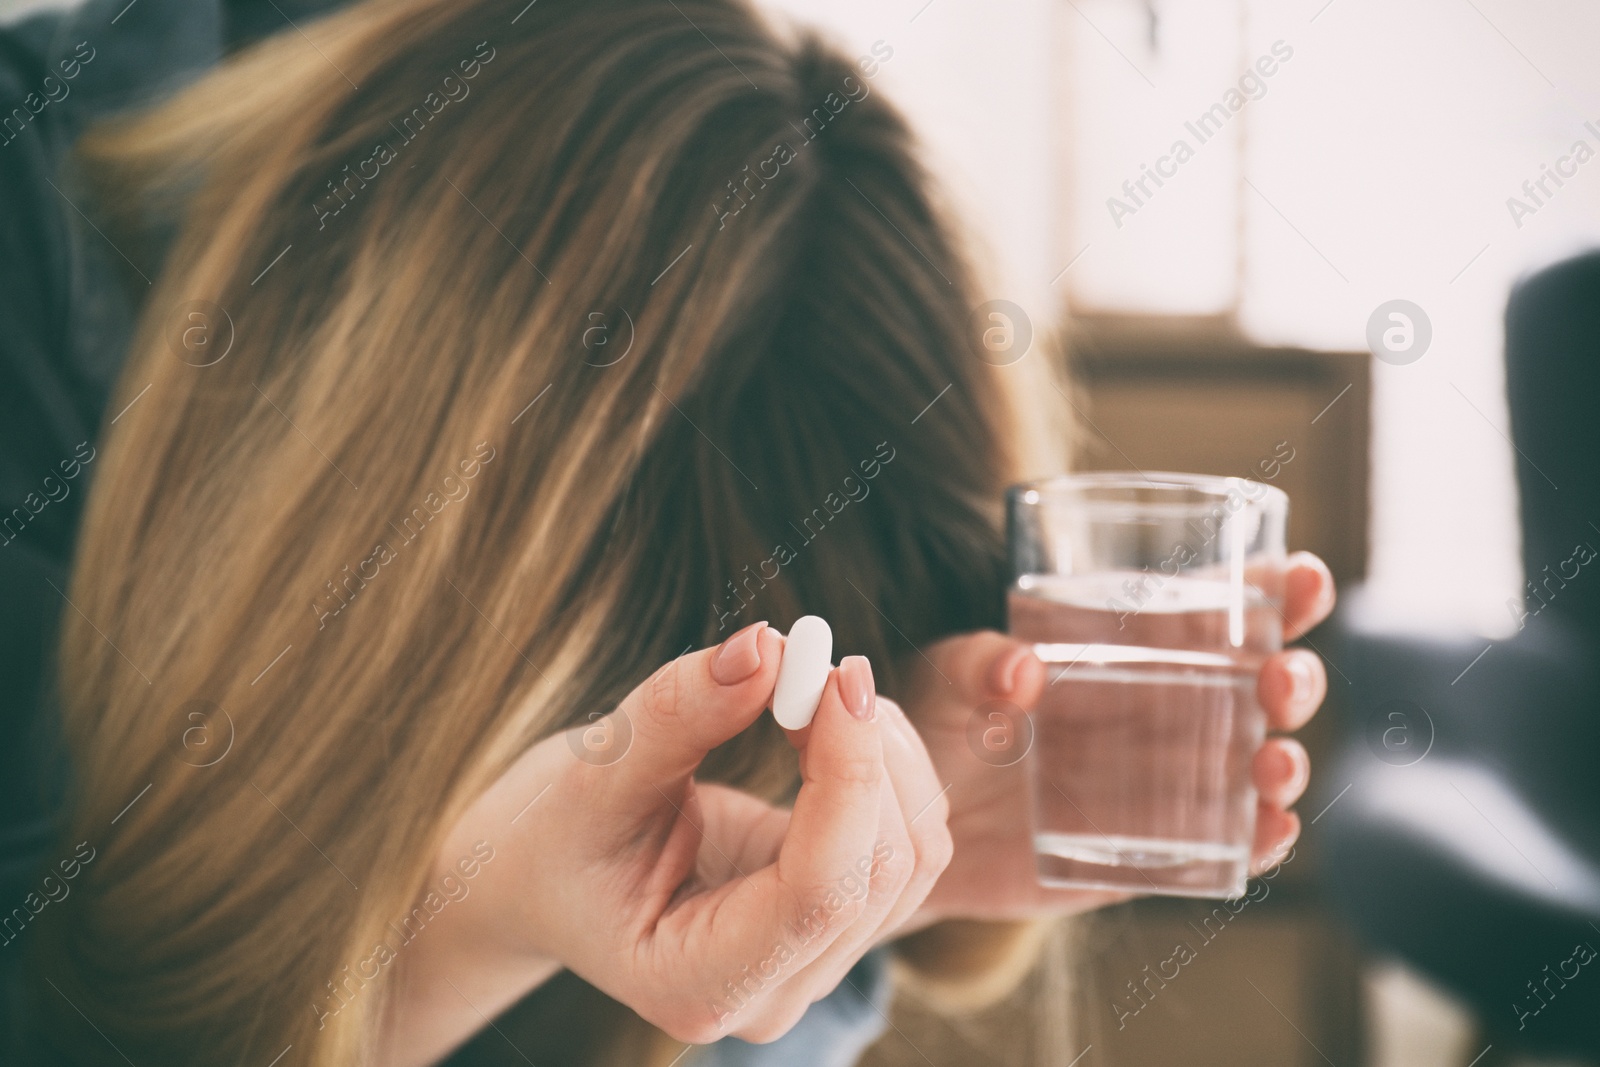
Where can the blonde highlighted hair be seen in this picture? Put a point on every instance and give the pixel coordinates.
(284, 533)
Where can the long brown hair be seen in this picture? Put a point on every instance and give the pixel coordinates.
(499, 357)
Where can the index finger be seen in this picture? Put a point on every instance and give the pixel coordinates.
(835, 820)
(833, 835)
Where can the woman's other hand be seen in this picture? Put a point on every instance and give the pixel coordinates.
(992, 873)
(706, 910)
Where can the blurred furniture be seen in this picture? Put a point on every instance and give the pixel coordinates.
(1469, 842)
(1190, 394)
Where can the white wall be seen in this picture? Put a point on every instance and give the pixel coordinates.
(1379, 161)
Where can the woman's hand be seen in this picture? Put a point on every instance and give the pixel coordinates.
(992, 873)
(707, 911)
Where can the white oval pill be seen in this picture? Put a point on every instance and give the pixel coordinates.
(807, 659)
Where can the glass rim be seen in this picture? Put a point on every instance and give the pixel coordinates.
(1216, 486)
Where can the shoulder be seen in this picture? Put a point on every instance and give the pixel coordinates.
(67, 298)
(35, 135)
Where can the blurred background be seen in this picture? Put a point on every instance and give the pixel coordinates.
(1446, 875)
(1339, 155)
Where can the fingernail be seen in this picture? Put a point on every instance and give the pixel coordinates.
(1304, 580)
(1299, 679)
(1004, 677)
(739, 657)
(1302, 776)
(1286, 764)
(856, 687)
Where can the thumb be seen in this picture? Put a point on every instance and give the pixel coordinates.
(663, 729)
(978, 667)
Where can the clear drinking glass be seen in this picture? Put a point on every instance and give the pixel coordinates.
(1152, 600)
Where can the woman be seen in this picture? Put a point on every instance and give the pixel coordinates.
(501, 357)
